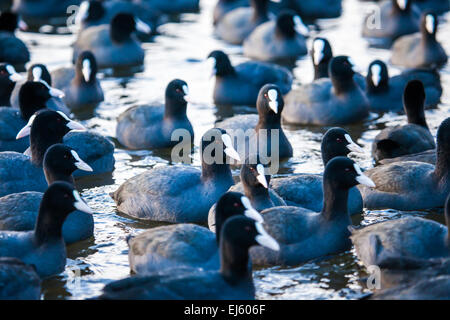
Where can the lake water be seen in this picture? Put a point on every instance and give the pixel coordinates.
(179, 52)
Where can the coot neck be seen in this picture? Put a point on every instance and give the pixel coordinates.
(175, 109)
(5, 92)
(415, 114)
(52, 176)
(259, 10)
(217, 172)
(233, 262)
(39, 144)
(335, 200)
(269, 120)
(441, 170)
(383, 86)
(259, 196)
(48, 227)
(321, 70)
(341, 85)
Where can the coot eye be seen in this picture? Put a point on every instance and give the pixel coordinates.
(66, 195)
(178, 90)
(347, 169)
(236, 204)
(339, 140)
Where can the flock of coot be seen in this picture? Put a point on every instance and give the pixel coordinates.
(262, 221)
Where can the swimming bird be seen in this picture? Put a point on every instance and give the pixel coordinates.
(261, 135)
(113, 45)
(304, 235)
(240, 85)
(386, 93)
(232, 281)
(255, 185)
(45, 129)
(335, 101)
(397, 183)
(281, 40)
(18, 211)
(181, 193)
(44, 247)
(184, 244)
(306, 190)
(80, 84)
(237, 24)
(406, 139)
(420, 50)
(148, 126)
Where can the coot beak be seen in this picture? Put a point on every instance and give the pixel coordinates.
(261, 177)
(25, 131)
(86, 70)
(13, 75)
(353, 147)
(264, 239)
(250, 212)
(142, 26)
(53, 91)
(80, 204)
(362, 178)
(80, 164)
(22, 25)
(229, 150)
(300, 27)
(272, 97)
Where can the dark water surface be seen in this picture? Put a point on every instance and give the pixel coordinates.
(179, 52)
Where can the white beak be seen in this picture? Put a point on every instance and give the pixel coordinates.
(229, 150)
(250, 212)
(86, 70)
(22, 25)
(353, 147)
(80, 164)
(142, 26)
(73, 125)
(80, 204)
(300, 27)
(82, 12)
(376, 74)
(265, 239)
(402, 4)
(362, 178)
(186, 97)
(211, 62)
(37, 74)
(430, 24)
(25, 131)
(318, 46)
(261, 176)
(13, 75)
(273, 103)
(53, 91)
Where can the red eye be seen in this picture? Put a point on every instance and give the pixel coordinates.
(247, 228)
(347, 169)
(266, 96)
(236, 204)
(178, 90)
(66, 195)
(339, 140)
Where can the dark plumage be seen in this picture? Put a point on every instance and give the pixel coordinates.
(420, 50)
(186, 245)
(19, 280)
(12, 49)
(148, 127)
(240, 85)
(304, 235)
(44, 246)
(8, 79)
(232, 281)
(238, 24)
(406, 139)
(397, 183)
(79, 84)
(305, 190)
(180, 193)
(335, 101)
(264, 135)
(386, 94)
(113, 45)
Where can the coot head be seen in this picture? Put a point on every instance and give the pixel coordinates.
(33, 96)
(270, 103)
(86, 68)
(321, 54)
(124, 24)
(177, 96)
(429, 25)
(233, 204)
(220, 64)
(413, 103)
(216, 145)
(10, 21)
(254, 176)
(38, 72)
(442, 166)
(57, 203)
(341, 73)
(337, 142)
(289, 24)
(47, 128)
(60, 161)
(90, 11)
(377, 78)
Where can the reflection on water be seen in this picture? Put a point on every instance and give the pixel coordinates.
(179, 52)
